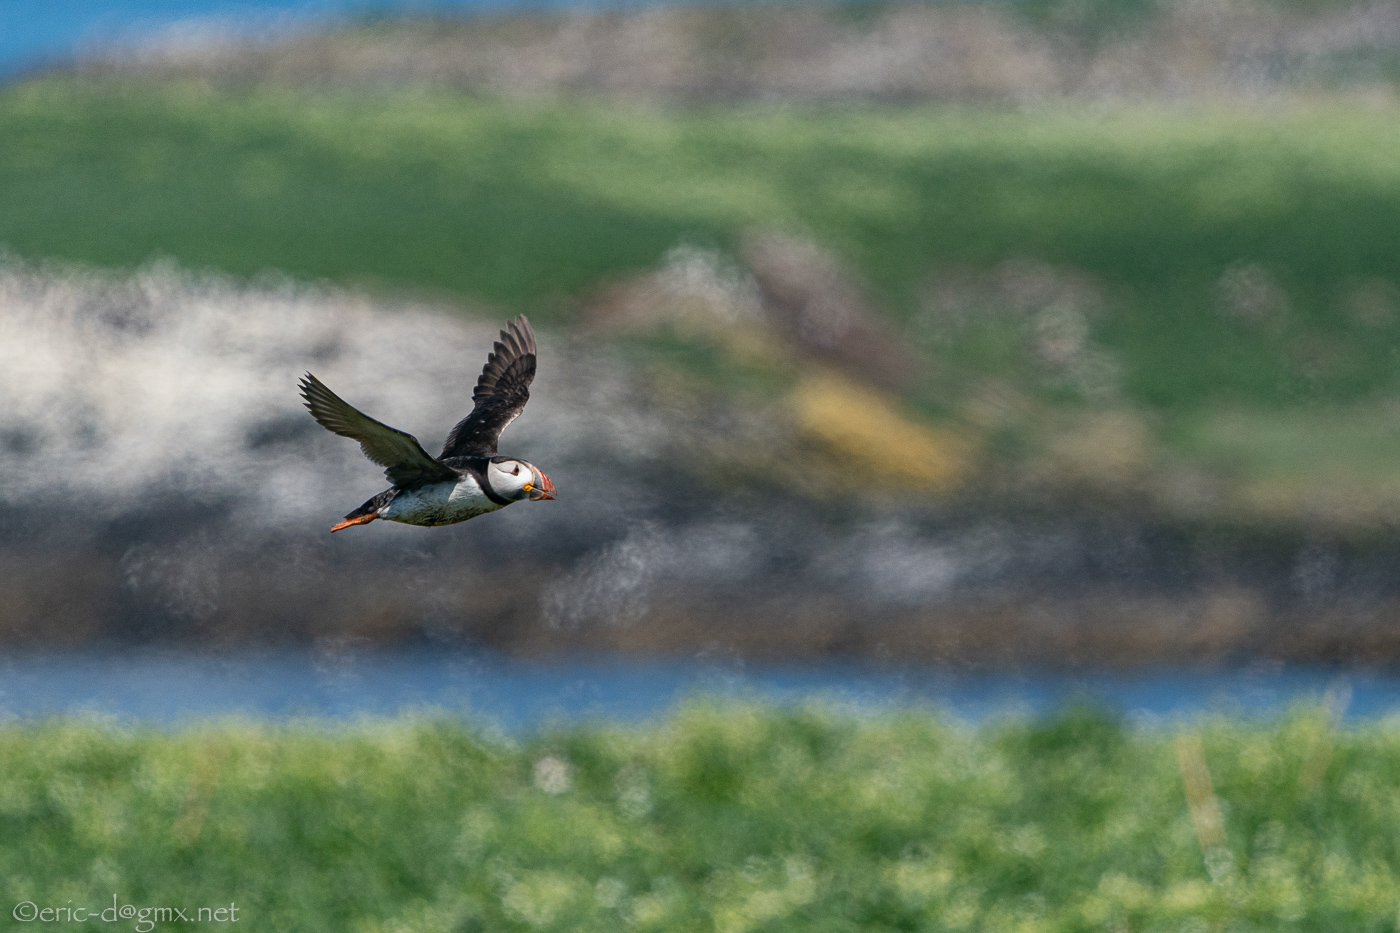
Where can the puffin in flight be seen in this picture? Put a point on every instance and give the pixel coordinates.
(467, 479)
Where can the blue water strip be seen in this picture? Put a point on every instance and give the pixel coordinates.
(169, 687)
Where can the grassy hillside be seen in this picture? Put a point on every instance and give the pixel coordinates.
(1197, 269)
(519, 204)
(741, 818)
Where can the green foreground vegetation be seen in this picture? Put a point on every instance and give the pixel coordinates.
(725, 818)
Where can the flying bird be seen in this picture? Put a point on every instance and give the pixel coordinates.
(468, 478)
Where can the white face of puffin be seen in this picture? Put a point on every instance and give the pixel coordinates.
(516, 480)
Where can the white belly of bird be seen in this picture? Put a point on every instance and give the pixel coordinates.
(439, 504)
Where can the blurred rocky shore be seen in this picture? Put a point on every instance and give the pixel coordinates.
(159, 481)
(1009, 53)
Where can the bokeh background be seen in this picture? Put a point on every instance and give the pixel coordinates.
(1034, 332)
(976, 427)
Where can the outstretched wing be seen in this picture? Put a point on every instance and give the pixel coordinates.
(500, 396)
(405, 461)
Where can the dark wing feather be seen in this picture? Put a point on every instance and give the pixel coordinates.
(405, 461)
(500, 396)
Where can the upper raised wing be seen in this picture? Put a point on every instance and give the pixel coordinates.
(405, 461)
(500, 396)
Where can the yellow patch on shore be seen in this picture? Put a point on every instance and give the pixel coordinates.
(1098, 447)
(856, 420)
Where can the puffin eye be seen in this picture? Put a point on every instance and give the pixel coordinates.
(515, 470)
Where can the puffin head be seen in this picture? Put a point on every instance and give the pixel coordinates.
(518, 479)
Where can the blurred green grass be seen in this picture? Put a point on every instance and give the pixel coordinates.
(1240, 266)
(529, 205)
(731, 817)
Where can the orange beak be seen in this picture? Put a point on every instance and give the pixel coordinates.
(544, 489)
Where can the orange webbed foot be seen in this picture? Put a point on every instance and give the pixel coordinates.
(357, 520)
